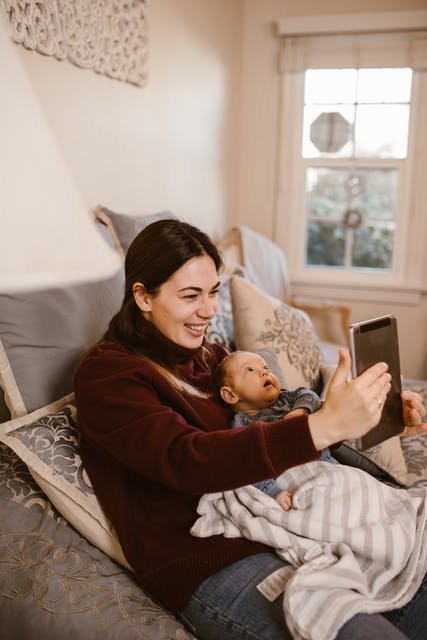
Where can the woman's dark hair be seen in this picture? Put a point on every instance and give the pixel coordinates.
(153, 257)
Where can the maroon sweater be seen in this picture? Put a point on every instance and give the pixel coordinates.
(152, 451)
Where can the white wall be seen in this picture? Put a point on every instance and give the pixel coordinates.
(200, 138)
(258, 146)
(169, 145)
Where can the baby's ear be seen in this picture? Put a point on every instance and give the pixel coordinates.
(228, 395)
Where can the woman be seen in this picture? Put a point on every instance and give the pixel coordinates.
(155, 437)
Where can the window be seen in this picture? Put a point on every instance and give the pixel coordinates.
(355, 123)
(353, 139)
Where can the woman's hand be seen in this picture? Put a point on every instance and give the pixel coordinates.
(413, 413)
(351, 408)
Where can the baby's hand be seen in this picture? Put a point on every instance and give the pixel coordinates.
(284, 499)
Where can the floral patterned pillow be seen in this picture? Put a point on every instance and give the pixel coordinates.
(284, 335)
(47, 441)
(221, 328)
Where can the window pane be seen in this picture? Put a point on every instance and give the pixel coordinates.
(328, 136)
(326, 86)
(384, 85)
(373, 246)
(374, 193)
(354, 208)
(332, 192)
(325, 244)
(382, 131)
(327, 193)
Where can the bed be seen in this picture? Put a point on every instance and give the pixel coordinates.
(62, 571)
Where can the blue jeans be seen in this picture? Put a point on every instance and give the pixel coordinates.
(227, 606)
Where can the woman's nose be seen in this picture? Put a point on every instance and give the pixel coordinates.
(208, 308)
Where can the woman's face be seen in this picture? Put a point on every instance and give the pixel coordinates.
(185, 303)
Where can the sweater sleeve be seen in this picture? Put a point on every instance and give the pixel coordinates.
(134, 416)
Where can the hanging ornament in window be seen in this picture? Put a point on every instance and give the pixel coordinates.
(329, 132)
(353, 218)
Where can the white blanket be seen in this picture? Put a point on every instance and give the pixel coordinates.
(354, 544)
(265, 264)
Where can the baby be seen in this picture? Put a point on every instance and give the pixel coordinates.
(246, 382)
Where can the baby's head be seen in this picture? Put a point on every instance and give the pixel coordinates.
(246, 382)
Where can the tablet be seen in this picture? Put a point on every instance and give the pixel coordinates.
(375, 341)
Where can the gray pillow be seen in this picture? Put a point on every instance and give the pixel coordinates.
(125, 227)
(43, 335)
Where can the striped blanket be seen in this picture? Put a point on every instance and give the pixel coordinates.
(353, 544)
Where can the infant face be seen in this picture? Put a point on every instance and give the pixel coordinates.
(252, 380)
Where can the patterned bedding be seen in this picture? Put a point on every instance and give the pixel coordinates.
(53, 579)
(56, 584)
(415, 448)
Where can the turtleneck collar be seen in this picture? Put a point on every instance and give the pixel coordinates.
(169, 352)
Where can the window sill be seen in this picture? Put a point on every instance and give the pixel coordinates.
(396, 295)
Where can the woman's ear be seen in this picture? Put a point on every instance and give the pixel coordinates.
(228, 395)
(141, 297)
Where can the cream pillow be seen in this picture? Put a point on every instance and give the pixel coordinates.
(281, 333)
(385, 460)
(47, 441)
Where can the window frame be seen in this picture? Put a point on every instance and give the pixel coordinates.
(409, 262)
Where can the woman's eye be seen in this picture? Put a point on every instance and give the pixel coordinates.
(190, 297)
(213, 294)
(250, 369)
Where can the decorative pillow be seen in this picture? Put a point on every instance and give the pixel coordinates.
(17, 485)
(46, 440)
(415, 451)
(415, 447)
(384, 461)
(124, 227)
(220, 328)
(43, 335)
(262, 322)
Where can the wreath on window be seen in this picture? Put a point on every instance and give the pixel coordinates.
(353, 218)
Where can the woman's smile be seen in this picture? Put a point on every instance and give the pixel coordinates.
(197, 329)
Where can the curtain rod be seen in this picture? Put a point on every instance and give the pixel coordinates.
(352, 23)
